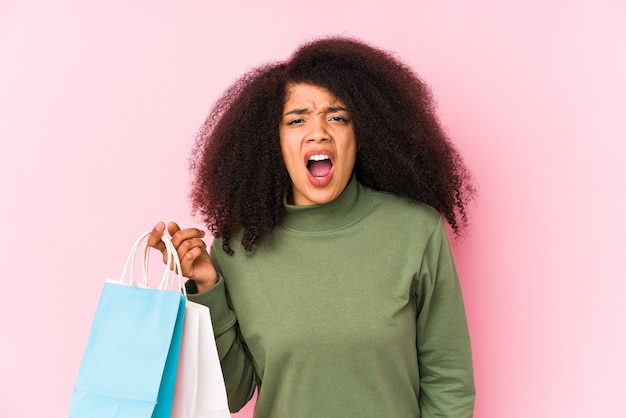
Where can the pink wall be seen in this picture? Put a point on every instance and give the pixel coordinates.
(99, 105)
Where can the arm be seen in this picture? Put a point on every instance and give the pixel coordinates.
(443, 345)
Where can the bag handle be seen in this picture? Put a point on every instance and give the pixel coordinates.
(172, 269)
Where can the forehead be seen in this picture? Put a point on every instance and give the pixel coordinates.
(305, 95)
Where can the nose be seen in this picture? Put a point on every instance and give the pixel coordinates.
(318, 131)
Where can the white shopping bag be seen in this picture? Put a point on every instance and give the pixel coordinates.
(200, 390)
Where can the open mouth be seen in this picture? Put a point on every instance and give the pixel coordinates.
(320, 168)
(319, 165)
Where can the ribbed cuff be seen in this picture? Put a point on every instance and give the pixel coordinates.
(222, 316)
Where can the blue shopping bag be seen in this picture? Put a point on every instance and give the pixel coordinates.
(129, 365)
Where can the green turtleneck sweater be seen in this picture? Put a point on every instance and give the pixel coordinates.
(348, 309)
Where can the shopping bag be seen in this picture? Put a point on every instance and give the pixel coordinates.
(200, 391)
(130, 362)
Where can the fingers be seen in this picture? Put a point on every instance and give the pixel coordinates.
(187, 261)
(197, 266)
(173, 228)
(191, 249)
(188, 251)
(180, 236)
(184, 241)
(154, 239)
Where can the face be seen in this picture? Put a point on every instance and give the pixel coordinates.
(318, 144)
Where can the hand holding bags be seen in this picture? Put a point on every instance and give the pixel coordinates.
(130, 362)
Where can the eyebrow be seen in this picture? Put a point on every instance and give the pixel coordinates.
(330, 109)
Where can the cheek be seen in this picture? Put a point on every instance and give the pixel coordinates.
(289, 144)
(351, 150)
(289, 153)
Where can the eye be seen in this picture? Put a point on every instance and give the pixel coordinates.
(339, 119)
(295, 121)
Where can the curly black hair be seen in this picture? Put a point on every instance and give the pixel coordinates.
(240, 180)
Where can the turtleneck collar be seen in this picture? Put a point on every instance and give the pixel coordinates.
(347, 208)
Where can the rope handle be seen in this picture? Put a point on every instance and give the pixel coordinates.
(172, 270)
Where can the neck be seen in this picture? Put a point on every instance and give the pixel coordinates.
(344, 210)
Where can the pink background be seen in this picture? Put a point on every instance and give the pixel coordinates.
(99, 104)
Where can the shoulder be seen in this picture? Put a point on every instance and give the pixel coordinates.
(410, 213)
(403, 225)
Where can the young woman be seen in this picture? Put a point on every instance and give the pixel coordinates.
(326, 181)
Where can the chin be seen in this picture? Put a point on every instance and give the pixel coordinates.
(323, 197)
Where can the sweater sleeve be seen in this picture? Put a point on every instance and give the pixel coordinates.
(443, 345)
(239, 373)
